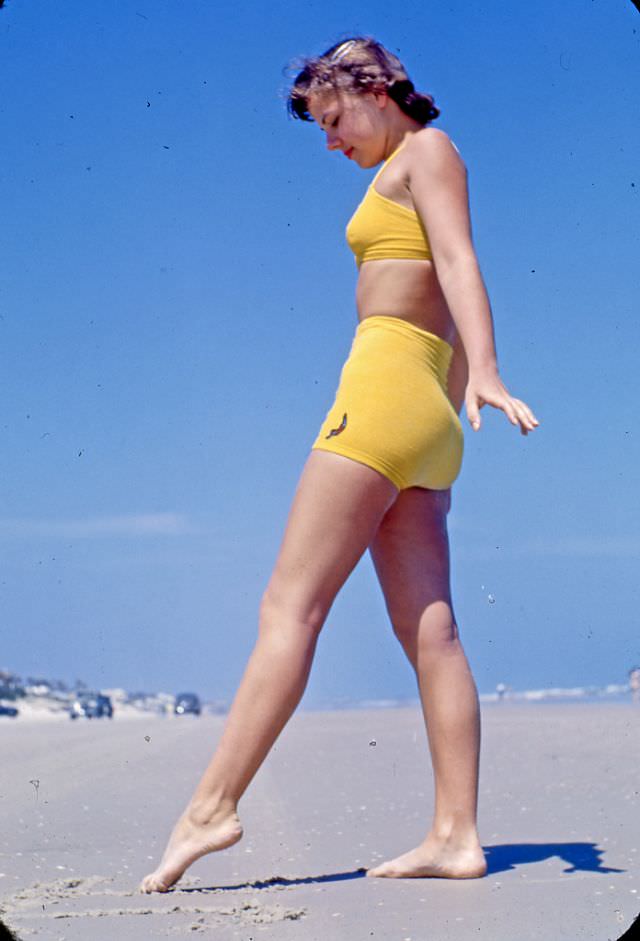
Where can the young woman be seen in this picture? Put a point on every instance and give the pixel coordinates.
(380, 471)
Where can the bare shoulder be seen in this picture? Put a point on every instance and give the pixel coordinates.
(434, 147)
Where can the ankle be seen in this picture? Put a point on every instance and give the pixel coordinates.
(204, 811)
(455, 833)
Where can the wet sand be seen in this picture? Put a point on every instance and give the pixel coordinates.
(85, 809)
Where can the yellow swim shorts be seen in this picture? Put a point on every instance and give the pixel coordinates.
(392, 411)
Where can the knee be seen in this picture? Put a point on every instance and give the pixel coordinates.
(429, 633)
(282, 612)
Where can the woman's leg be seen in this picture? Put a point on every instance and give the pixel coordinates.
(411, 556)
(335, 514)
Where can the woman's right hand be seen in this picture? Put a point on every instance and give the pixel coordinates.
(488, 389)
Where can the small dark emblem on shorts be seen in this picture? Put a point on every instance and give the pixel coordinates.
(341, 427)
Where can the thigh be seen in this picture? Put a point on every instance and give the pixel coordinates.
(335, 514)
(411, 554)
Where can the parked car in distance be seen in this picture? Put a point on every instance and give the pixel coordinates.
(187, 703)
(92, 706)
(8, 711)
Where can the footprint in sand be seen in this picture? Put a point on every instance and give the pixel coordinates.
(34, 906)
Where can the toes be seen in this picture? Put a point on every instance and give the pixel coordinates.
(151, 884)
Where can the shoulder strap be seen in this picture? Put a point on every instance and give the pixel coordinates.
(387, 161)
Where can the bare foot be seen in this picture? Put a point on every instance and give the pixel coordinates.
(435, 858)
(191, 839)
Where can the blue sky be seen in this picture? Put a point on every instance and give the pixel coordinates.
(176, 301)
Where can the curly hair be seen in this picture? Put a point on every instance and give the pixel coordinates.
(359, 65)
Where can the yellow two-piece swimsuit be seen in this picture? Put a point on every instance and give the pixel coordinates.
(392, 411)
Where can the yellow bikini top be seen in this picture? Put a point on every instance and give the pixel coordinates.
(382, 228)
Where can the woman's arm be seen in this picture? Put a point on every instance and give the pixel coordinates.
(458, 375)
(438, 184)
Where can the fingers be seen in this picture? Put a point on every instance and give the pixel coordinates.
(473, 406)
(517, 411)
(508, 407)
(526, 419)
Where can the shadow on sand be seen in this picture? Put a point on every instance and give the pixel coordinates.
(582, 857)
(280, 881)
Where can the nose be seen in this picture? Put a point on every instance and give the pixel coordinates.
(333, 141)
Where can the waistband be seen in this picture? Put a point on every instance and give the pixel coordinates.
(405, 327)
(429, 347)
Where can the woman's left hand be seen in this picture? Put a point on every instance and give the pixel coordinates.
(490, 390)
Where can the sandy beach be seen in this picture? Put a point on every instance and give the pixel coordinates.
(86, 807)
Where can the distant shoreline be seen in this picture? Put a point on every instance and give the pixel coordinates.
(54, 706)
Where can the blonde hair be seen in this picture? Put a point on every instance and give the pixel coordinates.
(359, 65)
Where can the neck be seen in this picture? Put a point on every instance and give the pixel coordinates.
(399, 135)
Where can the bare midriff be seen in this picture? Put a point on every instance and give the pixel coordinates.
(408, 288)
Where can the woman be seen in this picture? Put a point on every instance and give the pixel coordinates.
(380, 471)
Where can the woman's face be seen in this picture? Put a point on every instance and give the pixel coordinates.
(353, 123)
